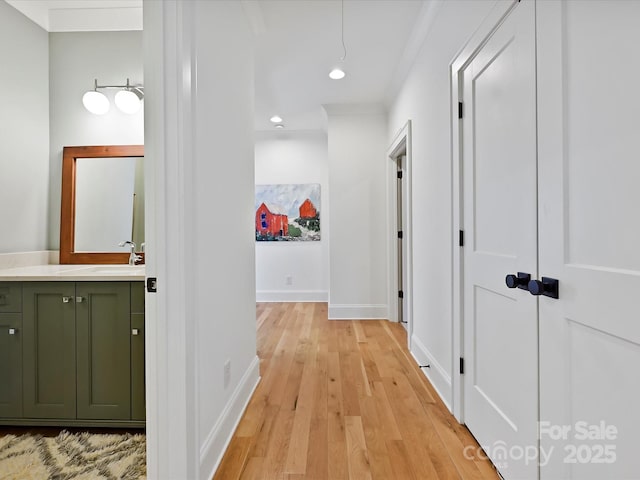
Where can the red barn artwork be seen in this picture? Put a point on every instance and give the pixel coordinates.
(287, 212)
(308, 210)
(270, 223)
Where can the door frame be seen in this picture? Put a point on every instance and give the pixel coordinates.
(170, 338)
(401, 143)
(468, 52)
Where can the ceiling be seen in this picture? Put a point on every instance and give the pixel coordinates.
(297, 44)
(301, 42)
(82, 15)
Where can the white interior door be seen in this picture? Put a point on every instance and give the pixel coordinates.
(500, 224)
(589, 238)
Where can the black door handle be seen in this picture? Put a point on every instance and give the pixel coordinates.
(519, 281)
(547, 287)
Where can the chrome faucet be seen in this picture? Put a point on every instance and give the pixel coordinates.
(133, 258)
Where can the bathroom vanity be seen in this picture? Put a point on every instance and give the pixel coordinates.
(72, 334)
(72, 345)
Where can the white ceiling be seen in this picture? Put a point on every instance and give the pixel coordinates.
(82, 15)
(302, 42)
(297, 43)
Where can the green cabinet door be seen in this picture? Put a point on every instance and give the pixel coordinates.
(10, 365)
(49, 350)
(137, 367)
(137, 352)
(103, 332)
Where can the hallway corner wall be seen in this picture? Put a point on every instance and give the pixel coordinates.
(202, 364)
(358, 210)
(293, 157)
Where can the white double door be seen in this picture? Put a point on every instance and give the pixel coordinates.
(551, 187)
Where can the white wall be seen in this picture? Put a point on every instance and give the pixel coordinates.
(358, 211)
(293, 157)
(425, 99)
(223, 190)
(200, 239)
(24, 133)
(75, 60)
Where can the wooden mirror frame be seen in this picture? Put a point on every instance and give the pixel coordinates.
(68, 255)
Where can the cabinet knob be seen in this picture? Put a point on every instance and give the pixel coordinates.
(79, 299)
(13, 331)
(135, 331)
(66, 299)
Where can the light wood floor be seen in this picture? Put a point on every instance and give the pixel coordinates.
(343, 400)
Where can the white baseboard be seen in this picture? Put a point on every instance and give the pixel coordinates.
(292, 296)
(220, 435)
(437, 375)
(358, 312)
(26, 259)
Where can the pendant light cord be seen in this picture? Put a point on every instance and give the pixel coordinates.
(344, 48)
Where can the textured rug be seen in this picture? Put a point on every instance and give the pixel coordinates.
(73, 456)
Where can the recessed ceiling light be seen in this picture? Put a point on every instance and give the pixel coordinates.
(276, 119)
(336, 74)
(279, 125)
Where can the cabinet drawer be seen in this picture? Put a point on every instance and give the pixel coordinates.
(10, 297)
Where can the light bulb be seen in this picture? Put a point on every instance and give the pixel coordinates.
(336, 74)
(95, 102)
(276, 119)
(127, 101)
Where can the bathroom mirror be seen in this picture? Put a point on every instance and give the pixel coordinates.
(102, 203)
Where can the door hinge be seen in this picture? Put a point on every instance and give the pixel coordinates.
(461, 238)
(461, 366)
(400, 234)
(459, 109)
(152, 285)
(399, 173)
(400, 294)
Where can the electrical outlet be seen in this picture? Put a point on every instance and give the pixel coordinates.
(227, 372)
(288, 280)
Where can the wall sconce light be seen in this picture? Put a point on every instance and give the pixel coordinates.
(128, 99)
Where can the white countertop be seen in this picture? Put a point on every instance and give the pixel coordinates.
(64, 273)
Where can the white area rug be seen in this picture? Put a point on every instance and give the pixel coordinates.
(73, 456)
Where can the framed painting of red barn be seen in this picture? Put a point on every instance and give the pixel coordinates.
(287, 213)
